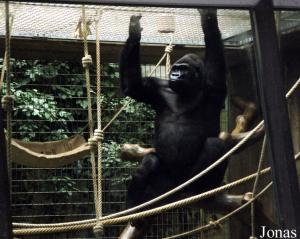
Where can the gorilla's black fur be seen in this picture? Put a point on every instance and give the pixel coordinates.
(187, 120)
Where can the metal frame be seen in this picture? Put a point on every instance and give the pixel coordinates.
(271, 91)
(277, 124)
(240, 4)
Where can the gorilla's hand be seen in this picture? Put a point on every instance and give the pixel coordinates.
(208, 12)
(135, 28)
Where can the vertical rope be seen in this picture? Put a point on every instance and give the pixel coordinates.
(8, 95)
(98, 229)
(3, 71)
(168, 51)
(254, 190)
(86, 62)
(5, 56)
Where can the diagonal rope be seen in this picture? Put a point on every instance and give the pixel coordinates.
(255, 185)
(143, 214)
(91, 223)
(212, 224)
(130, 210)
(167, 52)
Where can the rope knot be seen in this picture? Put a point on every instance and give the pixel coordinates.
(169, 49)
(98, 135)
(87, 61)
(98, 230)
(7, 102)
(215, 224)
(92, 142)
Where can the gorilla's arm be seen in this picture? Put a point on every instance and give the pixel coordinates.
(215, 66)
(132, 83)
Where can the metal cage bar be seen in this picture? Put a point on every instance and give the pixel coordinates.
(275, 112)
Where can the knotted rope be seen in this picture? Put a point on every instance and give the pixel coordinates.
(86, 63)
(98, 134)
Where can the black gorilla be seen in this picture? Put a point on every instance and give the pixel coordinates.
(187, 122)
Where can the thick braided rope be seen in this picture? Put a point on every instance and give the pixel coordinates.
(90, 113)
(5, 56)
(9, 108)
(108, 124)
(99, 225)
(168, 52)
(215, 223)
(291, 91)
(86, 224)
(147, 213)
(261, 158)
(208, 169)
(3, 71)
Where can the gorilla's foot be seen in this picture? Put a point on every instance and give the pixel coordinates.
(134, 152)
(133, 232)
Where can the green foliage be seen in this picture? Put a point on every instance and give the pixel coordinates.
(64, 184)
(51, 104)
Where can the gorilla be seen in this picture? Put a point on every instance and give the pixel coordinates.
(187, 122)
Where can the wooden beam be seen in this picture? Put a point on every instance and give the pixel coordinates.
(5, 209)
(165, 3)
(274, 107)
(46, 49)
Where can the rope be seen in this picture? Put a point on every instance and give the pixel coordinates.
(86, 62)
(5, 56)
(98, 229)
(147, 213)
(86, 224)
(168, 50)
(261, 158)
(222, 219)
(293, 88)
(130, 210)
(8, 99)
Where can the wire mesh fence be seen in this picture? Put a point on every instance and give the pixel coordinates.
(51, 104)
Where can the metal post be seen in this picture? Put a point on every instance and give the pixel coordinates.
(5, 209)
(275, 112)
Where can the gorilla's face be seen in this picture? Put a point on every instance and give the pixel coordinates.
(186, 75)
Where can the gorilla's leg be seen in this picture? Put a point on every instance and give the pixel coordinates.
(243, 121)
(140, 180)
(249, 110)
(140, 190)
